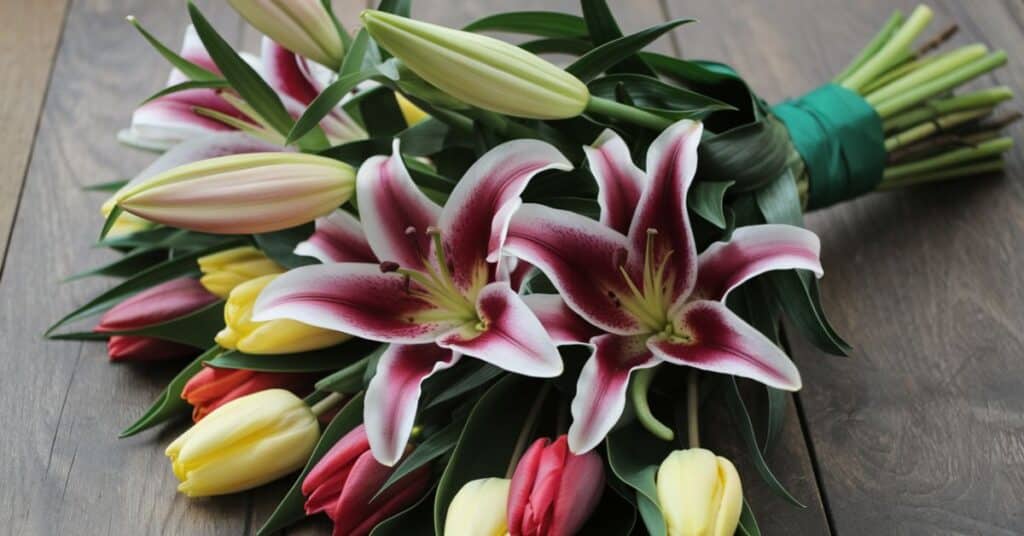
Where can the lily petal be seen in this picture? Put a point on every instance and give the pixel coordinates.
(562, 323)
(722, 342)
(752, 251)
(601, 388)
(282, 71)
(393, 395)
(354, 298)
(582, 259)
(620, 183)
(671, 165)
(394, 212)
(510, 337)
(476, 217)
(338, 237)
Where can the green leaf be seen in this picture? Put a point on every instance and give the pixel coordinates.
(108, 224)
(425, 177)
(132, 263)
(778, 402)
(166, 238)
(354, 153)
(748, 524)
(111, 186)
(361, 55)
(331, 358)
(350, 378)
(398, 7)
(634, 456)
(189, 84)
(324, 103)
(477, 378)
(611, 53)
(745, 427)
(435, 446)
(189, 69)
(291, 509)
(615, 515)
(557, 45)
(541, 23)
(654, 95)
(280, 245)
(752, 155)
(602, 28)
(381, 114)
(194, 329)
(413, 521)
(170, 404)
(487, 442)
(706, 199)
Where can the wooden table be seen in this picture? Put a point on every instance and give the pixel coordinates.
(920, 431)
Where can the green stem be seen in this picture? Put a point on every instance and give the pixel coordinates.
(935, 69)
(984, 98)
(692, 404)
(873, 46)
(894, 50)
(977, 168)
(946, 82)
(950, 159)
(629, 114)
(927, 129)
(638, 392)
(327, 403)
(900, 70)
(527, 432)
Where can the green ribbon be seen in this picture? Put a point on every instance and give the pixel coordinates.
(840, 138)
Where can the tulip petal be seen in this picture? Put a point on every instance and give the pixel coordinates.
(581, 257)
(720, 341)
(580, 488)
(393, 395)
(354, 298)
(157, 304)
(671, 165)
(752, 251)
(620, 183)
(563, 325)
(511, 338)
(325, 481)
(338, 237)
(476, 217)
(522, 484)
(394, 212)
(601, 388)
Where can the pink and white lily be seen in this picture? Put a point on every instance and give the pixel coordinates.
(435, 291)
(634, 287)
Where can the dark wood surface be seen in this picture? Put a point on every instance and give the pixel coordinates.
(920, 431)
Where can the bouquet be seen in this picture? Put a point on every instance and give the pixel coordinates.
(448, 287)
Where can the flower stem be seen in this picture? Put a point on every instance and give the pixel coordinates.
(692, 417)
(950, 159)
(924, 130)
(527, 431)
(890, 54)
(638, 391)
(945, 64)
(988, 166)
(327, 403)
(984, 98)
(941, 84)
(629, 114)
(873, 46)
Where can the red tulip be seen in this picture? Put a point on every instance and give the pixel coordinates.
(345, 480)
(213, 387)
(166, 301)
(553, 491)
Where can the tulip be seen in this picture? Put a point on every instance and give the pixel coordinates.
(245, 443)
(302, 26)
(156, 305)
(344, 482)
(479, 509)
(553, 491)
(213, 387)
(699, 494)
(280, 336)
(225, 270)
(242, 194)
(480, 70)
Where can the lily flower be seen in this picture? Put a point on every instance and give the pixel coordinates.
(436, 291)
(636, 277)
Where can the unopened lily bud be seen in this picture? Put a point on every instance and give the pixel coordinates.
(225, 270)
(245, 443)
(480, 70)
(280, 336)
(479, 509)
(699, 494)
(302, 26)
(242, 194)
(213, 387)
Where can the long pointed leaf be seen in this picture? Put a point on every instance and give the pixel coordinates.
(611, 53)
(324, 103)
(169, 404)
(188, 68)
(539, 23)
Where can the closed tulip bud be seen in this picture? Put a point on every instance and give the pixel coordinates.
(345, 480)
(156, 305)
(479, 509)
(242, 194)
(302, 26)
(280, 336)
(699, 494)
(225, 270)
(245, 443)
(480, 70)
(213, 387)
(553, 491)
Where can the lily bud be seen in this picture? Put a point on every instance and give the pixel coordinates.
(480, 70)
(225, 270)
(280, 336)
(553, 491)
(213, 387)
(699, 494)
(245, 443)
(479, 509)
(242, 194)
(156, 305)
(345, 480)
(302, 26)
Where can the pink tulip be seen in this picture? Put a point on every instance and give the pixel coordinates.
(553, 491)
(213, 387)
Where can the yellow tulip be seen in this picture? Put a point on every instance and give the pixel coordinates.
(225, 270)
(245, 443)
(479, 509)
(281, 336)
(699, 494)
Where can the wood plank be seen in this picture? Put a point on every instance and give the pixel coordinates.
(27, 44)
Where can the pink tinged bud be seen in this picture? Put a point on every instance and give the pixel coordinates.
(345, 480)
(213, 387)
(302, 26)
(553, 491)
(135, 348)
(242, 194)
